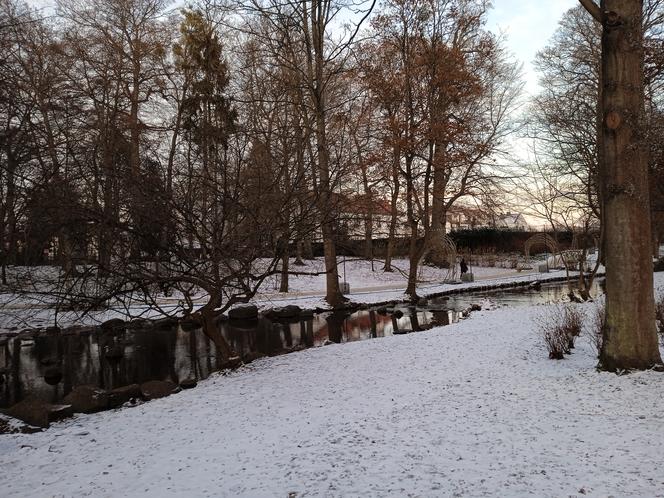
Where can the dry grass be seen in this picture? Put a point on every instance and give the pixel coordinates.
(597, 327)
(559, 328)
(659, 315)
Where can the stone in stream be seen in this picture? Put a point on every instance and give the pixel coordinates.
(53, 376)
(140, 323)
(39, 413)
(536, 285)
(154, 389)
(114, 352)
(232, 363)
(121, 395)
(189, 323)
(475, 307)
(290, 311)
(113, 324)
(87, 399)
(307, 314)
(244, 312)
(188, 383)
(252, 356)
(165, 323)
(9, 425)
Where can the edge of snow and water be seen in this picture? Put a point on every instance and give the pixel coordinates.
(471, 409)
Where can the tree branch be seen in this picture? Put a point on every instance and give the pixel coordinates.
(592, 8)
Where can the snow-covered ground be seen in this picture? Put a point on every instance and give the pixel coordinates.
(369, 285)
(360, 275)
(471, 409)
(306, 291)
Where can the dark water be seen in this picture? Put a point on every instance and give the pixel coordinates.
(49, 365)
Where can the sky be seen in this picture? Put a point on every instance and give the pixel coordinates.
(527, 25)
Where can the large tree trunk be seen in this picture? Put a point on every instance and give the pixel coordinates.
(106, 227)
(630, 338)
(299, 250)
(437, 250)
(318, 20)
(657, 232)
(415, 249)
(414, 255)
(396, 158)
(368, 237)
(283, 287)
(209, 325)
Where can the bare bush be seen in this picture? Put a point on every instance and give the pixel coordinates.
(559, 329)
(572, 322)
(597, 327)
(659, 315)
(555, 342)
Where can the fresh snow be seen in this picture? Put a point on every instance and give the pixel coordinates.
(470, 409)
(306, 291)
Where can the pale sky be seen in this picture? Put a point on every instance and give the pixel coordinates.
(528, 26)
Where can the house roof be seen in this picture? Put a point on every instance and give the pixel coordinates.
(361, 204)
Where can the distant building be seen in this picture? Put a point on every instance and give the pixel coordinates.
(512, 221)
(462, 217)
(355, 211)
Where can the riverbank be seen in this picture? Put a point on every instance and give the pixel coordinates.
(470, 409)
(307, 291)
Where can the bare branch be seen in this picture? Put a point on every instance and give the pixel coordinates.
(593, 9)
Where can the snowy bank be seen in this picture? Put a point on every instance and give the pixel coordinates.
(471, 409)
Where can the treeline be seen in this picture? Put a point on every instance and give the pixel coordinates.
(188, 149)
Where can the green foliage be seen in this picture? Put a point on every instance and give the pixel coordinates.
(207, 112)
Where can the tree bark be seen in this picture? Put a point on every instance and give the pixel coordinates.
(210, 328)
(630, 338)
(394, 213)
(283, 286)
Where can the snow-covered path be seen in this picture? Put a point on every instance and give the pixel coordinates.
(471, 409)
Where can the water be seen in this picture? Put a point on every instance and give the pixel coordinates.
(49, 365)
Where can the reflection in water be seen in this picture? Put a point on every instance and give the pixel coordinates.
(49, 364)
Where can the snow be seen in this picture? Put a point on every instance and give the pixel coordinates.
(470, 409)
(376, 286)
(306, 291)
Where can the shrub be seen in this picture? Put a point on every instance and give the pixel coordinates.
(559, 329)
(597, 327)
(659, 265)
(555, 342)
(572, 323)
(659, 315)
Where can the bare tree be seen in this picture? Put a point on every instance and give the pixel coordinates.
(301, 39)
(446, 104)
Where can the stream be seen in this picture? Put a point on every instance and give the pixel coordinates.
(48, 364)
